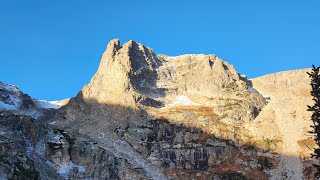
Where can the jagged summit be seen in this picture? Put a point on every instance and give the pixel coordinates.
(133, 74)
(121, 73)
(132, 79)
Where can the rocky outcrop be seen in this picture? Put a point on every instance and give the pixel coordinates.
(199, 75)
(286, 118)
(11, 98)
(294, 83)
(14, 161)
(77, 156)
(180, 151)
(124, 75)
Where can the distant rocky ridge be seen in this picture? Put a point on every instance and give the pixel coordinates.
(11, 98)
(149, 116)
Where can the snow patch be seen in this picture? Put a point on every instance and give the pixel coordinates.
(165, 65)
(183, 100)
(174, 57)
(193, 55)
(54, 122)
(9, 87)
(49, 104)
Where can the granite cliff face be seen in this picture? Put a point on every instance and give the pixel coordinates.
(285, 117)
(133, 76)
(149, 116)
(171, 115)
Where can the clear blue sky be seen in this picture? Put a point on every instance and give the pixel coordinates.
(51, 49)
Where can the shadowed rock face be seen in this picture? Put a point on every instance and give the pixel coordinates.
(14, 163)
(11, 98)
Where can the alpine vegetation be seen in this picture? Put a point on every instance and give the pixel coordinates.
(315, 92)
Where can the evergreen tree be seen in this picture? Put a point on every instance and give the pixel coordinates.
(315, 92)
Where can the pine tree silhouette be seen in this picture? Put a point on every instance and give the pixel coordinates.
(315, 92)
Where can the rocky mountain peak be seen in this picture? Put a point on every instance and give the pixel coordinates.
(121, 73)
(148, 116)
(133, 72)
(133, 76)
(138, 97)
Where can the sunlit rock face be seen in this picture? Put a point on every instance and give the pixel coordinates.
(149, 116)
(131, 71)
(286, 118)
(124, 74)
(169, 116)
(132, 75)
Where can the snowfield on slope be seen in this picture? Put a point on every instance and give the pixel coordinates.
(48, 104)
(183, 100)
